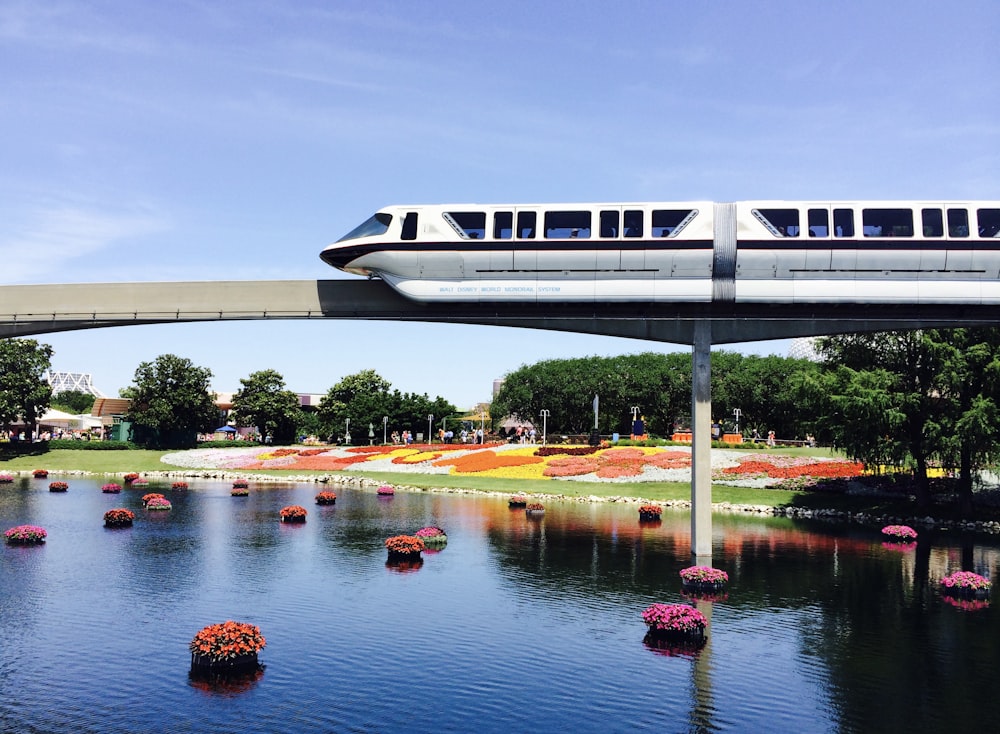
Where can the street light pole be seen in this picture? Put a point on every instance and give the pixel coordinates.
(545, 423)
(385, 425)
(347, 431)
(430, 420)
(737, 412)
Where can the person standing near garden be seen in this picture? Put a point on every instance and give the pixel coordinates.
(770, 439)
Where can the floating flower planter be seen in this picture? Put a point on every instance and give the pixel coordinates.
(293, 514)
(152, 495)
(239, 492)
(40, 474)
(130, 477)
(229, 648)
(900, 532)
(111, 488)
(158, 503)
(179, 485)
(25, 535)
(966, 585)
(119, 517)
(241, 484)
(58, 486)
(385, 491)
(517, 501)
(140, 482)
(326, 497)
(534, 509)
(677, 622)
(432, 536)
(703, 578)
(6, 479)
(649, 513)
(404, 547)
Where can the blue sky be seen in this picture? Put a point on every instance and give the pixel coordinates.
(206, 141)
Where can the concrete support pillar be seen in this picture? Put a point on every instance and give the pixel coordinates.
(701, 446)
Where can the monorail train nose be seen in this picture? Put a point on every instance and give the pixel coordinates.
(340, 257)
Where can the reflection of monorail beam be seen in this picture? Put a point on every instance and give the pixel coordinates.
(39, 309)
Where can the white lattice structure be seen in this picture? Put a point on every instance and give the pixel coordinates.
(804, 348)
(64, 381)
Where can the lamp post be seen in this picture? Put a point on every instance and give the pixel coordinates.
(347, 431)
(544, 412)
(430, 420)
(737, 412)
(385, 425)
(482, 428)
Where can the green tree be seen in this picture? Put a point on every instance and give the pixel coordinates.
(265, 403)
(171, 400)
(361, 398)
(24, 392)
(73, 401)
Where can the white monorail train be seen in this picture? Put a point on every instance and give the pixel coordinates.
(893, 252)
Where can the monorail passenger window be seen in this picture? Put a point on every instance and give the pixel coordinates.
(473, 224)
(665, 221)
(782, 222)
(609, 224)
(503, 225)
(375, 225)
(633, 223)
(887, 222)
(567, 225)
(409, 227)
(933, 222)
(989, 222)
(819, 223)
(958, 223)
(526, 225)
(843, 223)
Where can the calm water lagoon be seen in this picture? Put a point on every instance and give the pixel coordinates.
(517, 625)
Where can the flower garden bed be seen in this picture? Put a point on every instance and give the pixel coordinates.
(152, 495)
(404, 547)
(675, 621)
(140, 482)
(119, 517)
(158, 503)
(703, 578)
(432, 535)
(40, 474)
(517, 501)
(385, 491)
(6, 479)
(326, 497)
(25, 535)
(902, 533)
(111, 488)
(649, 513)
(293, 514)
(226, 648)
(58, 486)
(130, 477)
(179, 485)
(534, 509)
(239, 492)
(966, 585)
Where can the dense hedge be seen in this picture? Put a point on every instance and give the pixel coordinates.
(64, 443)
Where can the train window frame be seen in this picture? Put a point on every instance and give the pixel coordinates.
(608, 220)
(843, 222)
(377, 224)
(470, 225)
(503, 225)
(818, 219)
(879, 222)
(408, 230)
(563, 224)
(677, 220)
(988, 222)
(932, 222)
(958, 225)
(633, 221)
(527, 221)
(788, 222)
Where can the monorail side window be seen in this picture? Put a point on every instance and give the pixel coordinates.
(567, 225)
(819, 223)
(887, 222)
(843, 222)
(503, 225)
(372, 227)
(609, 224)
(666, 221)
(958, 223)
(933, 222)
(409, 227)
(526, 225)
(989, 222)
(782, 222)
(473, 224)
(633, 223)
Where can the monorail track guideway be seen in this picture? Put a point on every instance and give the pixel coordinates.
(27, 310)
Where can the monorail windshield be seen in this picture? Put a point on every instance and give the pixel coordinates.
(375, 225)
